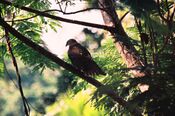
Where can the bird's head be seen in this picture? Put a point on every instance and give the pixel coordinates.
(71, 42)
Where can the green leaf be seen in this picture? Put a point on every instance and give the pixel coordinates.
(2, 52)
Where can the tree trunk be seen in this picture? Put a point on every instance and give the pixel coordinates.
(123, 44)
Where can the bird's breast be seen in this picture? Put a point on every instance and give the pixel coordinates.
(75, 51)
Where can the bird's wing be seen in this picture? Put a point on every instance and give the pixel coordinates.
(79, 51)
(81, 58)
(83, 51)
(78, 55)
(90, 65)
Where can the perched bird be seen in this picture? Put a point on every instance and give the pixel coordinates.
(81, 58)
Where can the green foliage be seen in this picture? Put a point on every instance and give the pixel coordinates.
(31, 28)
(140, 7)
(39, 90)
(1, 68)
(65, 81)
(158, 55)
(92, 38)
(74, 106)
(25, 28)
(93, 3)
(109, 60)
(33, 59)
(2, 50)
(40, 5)
(159, 100)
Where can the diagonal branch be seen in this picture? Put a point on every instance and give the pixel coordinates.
(159, 11)
(172, 15)
(111, 93)
(25, 103)
(108, 28)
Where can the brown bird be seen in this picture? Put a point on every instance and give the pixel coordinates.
(81, 58)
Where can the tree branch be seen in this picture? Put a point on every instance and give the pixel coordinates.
(108, 28)
(65, 13)
(159, 11)
(111, 93)
(172, 15)
(22, 19)
(79, 11)
(25, 103)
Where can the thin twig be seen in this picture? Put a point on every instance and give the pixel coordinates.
(5, 68)
(110, 92)
(23, 19)
(159, 11)
(123, 17)
(139, 27)
(41, 13)
(8, 74)
(79, 11)
(25, 104)
(166, 3)
(172, 15)
(2, 38)
(10, 77)
(164, 45)
(60, 6)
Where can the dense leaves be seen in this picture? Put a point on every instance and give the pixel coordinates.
(31, 28)
(140, 7)
(152, 35)
(2, 48)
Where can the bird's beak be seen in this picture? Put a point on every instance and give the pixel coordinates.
(67, 44)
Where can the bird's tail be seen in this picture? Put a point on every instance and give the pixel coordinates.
(94, 69)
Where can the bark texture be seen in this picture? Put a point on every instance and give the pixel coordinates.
(122, 42)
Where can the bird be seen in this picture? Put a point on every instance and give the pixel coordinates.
(82, 60)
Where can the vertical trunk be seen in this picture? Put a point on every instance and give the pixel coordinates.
(122, 42)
